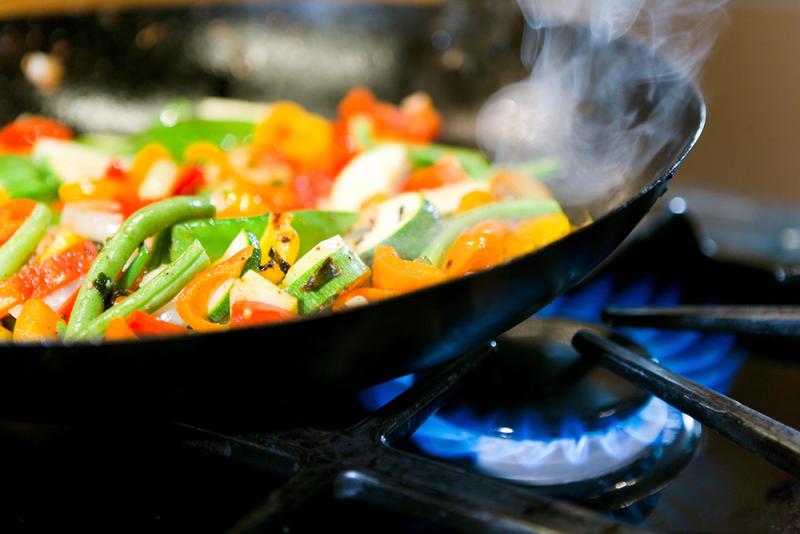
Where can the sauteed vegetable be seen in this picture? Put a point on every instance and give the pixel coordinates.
(228, 214)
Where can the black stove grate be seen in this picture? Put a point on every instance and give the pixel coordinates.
(361, 463)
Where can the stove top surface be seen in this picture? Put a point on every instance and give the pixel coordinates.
(506, 420)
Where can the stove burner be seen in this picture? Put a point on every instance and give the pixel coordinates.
(539, 414)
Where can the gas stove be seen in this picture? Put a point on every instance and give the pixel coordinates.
(520, 435)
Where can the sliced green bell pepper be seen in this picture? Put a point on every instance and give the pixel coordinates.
(21, 178)
(216, 234)
(473, 161)
(176, 138)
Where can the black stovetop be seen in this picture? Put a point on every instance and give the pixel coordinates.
(209, 477)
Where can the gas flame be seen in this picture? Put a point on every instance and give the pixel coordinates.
(576, 105)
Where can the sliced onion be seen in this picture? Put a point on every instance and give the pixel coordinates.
(55, 299)
(169, 313)
(93, 219)
(60, 296)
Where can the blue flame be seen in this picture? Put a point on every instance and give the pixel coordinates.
(525, 453)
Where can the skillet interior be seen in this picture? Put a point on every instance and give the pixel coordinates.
(122, 66)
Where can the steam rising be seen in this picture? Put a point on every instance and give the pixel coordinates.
(576, 105)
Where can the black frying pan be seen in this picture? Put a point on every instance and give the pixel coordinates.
(120, 66)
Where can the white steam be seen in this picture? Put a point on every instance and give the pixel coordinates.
(577, 103)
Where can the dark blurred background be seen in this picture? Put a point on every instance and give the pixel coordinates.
(751, 82)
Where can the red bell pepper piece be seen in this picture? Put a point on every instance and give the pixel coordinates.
(144, 325)
(20, 135)
(249, 313)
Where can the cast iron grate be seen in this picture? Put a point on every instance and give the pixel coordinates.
(361, 463)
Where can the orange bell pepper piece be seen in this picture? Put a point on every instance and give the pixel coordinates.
(118, 330)
(390, 271)
(192, 301)
(445, 171)
(369, 294)
(36, 322)
(416, 119)
(12, 215)
(143, 325)
(480, 247)
(473, 200)
(536, 233)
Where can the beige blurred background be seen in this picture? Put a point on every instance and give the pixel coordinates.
(752, 84)
(751, 81)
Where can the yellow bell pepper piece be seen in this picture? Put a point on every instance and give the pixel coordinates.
(536, 233)
(280, 245)
(36, 322)
(301, 137)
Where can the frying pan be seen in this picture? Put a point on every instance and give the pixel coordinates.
(120, 66)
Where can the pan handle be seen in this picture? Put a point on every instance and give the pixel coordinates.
(775, 442)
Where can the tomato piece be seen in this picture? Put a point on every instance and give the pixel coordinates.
(119, 330)
(249, 313)
(22, 134)
(143, 324)
(192, 301)
(479, 247)
(390, 271)
(36, 322)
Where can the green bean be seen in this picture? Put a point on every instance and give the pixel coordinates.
(142, 224)
(16, 250)
(134, 269)
(153, 295)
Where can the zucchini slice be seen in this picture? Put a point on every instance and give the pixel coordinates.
(406, 222)
(254, 287)
(220, 302)
(324, 272)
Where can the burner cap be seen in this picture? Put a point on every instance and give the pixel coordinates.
(536, 373)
